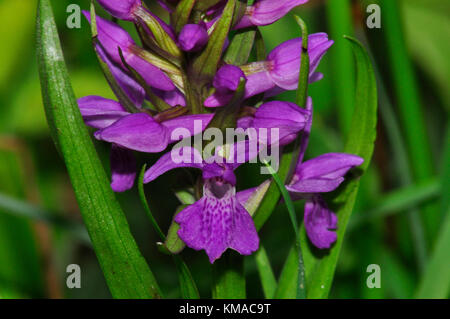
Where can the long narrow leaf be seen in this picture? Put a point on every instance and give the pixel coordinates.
(126, 271)
(360, 142)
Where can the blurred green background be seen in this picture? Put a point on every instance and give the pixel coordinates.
(401, 221)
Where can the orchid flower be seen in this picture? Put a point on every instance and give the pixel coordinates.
(280, 71)
(138, 131)
(218, 220)
(316, 176)
(111, 38)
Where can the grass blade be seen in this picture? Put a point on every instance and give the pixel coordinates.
(188, 286)
(300, 286)
(125, 269)
(268, 281)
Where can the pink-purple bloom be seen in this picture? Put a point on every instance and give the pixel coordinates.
(218, 220)
(121, 9)
(280, 71)
(265, 12)
(319, 175)
(193, 37)
(159, 79)
(111, 38)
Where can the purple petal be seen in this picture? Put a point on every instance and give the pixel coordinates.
(173, 98)
(285, 59)
(151, 74)
(316, 185)
(121, 9)
(320, 223)
(218, 99)
(139, 132)
(228, 78)
(288, 117)
(99, 112)
(323, 173)
(192, 124)
(131, 88)
(182, 157)
(111, 37)
(123, 169)
(331, 165)
(265, 12)
(219, 170)
(217, 222)
(193, 37)
(256, 83)
(244, 238)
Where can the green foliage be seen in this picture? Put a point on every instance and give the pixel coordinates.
(124, 268)
(320, 271)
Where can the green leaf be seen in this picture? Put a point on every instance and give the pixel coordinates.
(228, 276)
(173, 242)
(340, 21)
(302, 91)
(182, 13)
(399, 201)
(241, 46)
(205, 66)
(21, 271)
(187, 284)
(320, 271)
(125, 269)
(268, 281)
(145, 204)
(435, 283)
(202, 5)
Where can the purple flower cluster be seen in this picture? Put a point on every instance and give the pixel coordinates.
(157, 89)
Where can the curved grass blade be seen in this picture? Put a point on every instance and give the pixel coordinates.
(360, 142)
(16, 207)
(300, 286)
(187, 284)
(125, 269)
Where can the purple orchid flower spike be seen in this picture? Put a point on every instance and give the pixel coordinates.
(121, 9)
(218, 220)
(265, 12)
(280, 71)
(112, 37)
(319, 175)
(193, 37)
